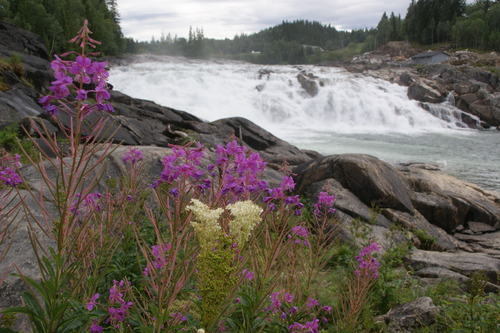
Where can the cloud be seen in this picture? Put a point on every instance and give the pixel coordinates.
(227, 18)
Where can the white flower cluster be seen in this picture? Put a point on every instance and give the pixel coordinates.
(205, 225)
(246, 217)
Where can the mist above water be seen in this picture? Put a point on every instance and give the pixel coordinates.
(351, 113)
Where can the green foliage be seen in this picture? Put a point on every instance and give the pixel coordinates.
(474, 311)
(426, 240)
(50, 308)
(57, 20)
(472, 26)
(11, 141)
(7, 320)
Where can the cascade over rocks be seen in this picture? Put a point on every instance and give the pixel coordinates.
(475, 91)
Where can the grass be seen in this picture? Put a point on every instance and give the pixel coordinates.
(14, 143)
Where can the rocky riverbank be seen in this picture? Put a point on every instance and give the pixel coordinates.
(468, 80)
(453, 226)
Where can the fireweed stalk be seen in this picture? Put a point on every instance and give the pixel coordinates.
(81, 224)
(355, 297)
(9, 203)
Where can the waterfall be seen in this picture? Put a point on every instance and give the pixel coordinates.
(273, 97)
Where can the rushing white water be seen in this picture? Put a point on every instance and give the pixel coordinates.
(351, 113)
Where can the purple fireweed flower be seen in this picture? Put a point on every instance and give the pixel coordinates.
(179, 316)
(181, 165)
(89, 204)
(80, 68)
(287, 184)
(69, 75)
(241, 170)
(101, 93)
(132, 156)
(92, 303)
(324, 204)
(275, 303)
(312, 303)
(105, 107)
(115, 296)
(59, 67)
(100, 74)
(95, 328)
(368, 265)
(160, 253)
(9, 177)
(81, 94)
(299, 235)
(311, 326)
(60, 87)
(247, 274)
(288, 297)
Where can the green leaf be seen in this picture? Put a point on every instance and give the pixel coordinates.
(7, 330)
(32, 304)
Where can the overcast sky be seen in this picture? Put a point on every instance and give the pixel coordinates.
(142, 19)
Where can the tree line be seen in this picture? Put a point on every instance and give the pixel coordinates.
(453, 21)
(289, 42)
(58, 20)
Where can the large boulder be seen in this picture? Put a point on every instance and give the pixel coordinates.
(374, 182)
(308, 83)
(409, 316)
(422, 92)
(449, 202)
(270, 147)
(460, 262)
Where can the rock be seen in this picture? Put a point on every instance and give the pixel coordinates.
(480, 227)
(439, 210)
(459, 262)
(439, 274)
(308, 83)
(488, 243)
(271, 148)
(424, 93)
(15, 40)
(409, 316)
(418, 225)
(37, 126)
(265, 72)
(347, 202)
(462, 88)
(407, 79)
(374, 182)
(487, 112)
(440, 196)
